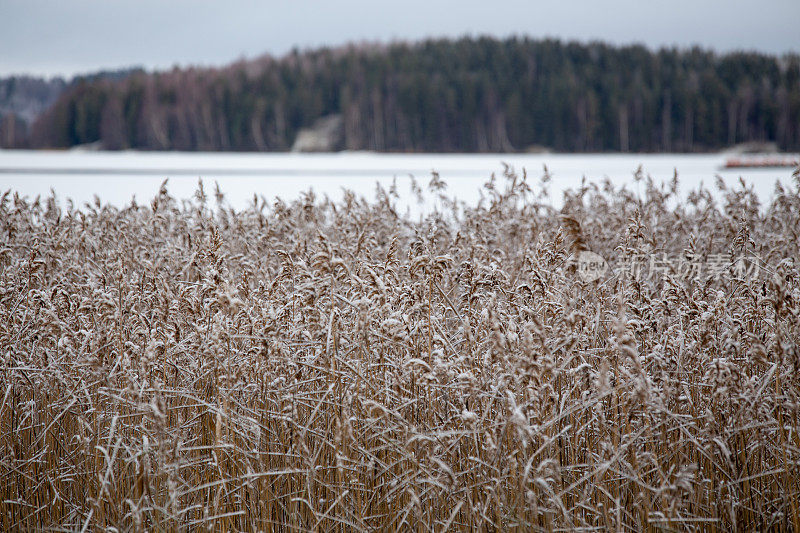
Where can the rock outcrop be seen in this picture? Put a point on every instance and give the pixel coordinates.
(325, 135)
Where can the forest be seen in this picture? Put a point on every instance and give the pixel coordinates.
(465, 95)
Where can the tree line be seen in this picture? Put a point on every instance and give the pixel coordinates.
(465, 95)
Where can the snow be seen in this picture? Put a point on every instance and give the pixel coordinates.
(116, 177)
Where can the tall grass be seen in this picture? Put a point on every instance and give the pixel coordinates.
(333, 366)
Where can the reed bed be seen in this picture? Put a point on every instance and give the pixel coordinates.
(337, 366)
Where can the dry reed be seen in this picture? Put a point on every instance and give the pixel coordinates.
(333, 366)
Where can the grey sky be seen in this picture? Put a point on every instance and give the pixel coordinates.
(73, 36)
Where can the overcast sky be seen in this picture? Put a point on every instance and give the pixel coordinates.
(64, 37)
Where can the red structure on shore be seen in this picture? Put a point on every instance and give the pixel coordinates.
(771, 161)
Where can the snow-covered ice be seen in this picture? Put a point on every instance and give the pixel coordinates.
(116, 177)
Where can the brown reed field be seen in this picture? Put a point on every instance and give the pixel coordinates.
(338, 366)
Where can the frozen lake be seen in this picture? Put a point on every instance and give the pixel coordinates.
(116, 177)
